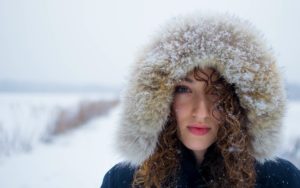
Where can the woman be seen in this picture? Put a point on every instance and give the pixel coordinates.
(203, 108)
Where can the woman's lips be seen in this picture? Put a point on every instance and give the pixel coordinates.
(198, 130)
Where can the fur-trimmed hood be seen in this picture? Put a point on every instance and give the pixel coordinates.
(224, 42)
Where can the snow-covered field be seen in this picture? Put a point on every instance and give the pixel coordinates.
(28, 118)
(77, 159)
(74, 159)
(82, 156)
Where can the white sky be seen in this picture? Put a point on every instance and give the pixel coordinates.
(94, 41)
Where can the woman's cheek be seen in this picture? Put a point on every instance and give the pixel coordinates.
(180, 110)
(181, 106)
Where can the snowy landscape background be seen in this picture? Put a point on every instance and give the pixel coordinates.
(64, 63)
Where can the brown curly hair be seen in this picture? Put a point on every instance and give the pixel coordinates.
(227, 162)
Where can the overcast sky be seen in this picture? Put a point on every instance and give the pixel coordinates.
(94, 41)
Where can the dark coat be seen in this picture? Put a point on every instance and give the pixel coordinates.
(271, 174)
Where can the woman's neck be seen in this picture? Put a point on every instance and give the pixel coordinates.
(199, 155)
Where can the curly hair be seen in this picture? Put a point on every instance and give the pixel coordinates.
(227, 162)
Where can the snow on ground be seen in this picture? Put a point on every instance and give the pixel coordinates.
(77, 159)
(81, 157)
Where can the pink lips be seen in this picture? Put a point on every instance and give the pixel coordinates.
(198, 129)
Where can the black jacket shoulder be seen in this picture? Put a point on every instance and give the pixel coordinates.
(120, 175)
(271, 174)
(277, 173)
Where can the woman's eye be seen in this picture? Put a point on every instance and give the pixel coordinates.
(182, 89)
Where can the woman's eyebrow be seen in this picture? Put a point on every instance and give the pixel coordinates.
(188, 80)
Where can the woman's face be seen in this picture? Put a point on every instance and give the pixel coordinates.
(193, 105)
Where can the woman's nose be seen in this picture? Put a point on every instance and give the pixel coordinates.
(201, 110)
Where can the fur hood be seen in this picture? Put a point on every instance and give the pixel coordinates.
(224, 42)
